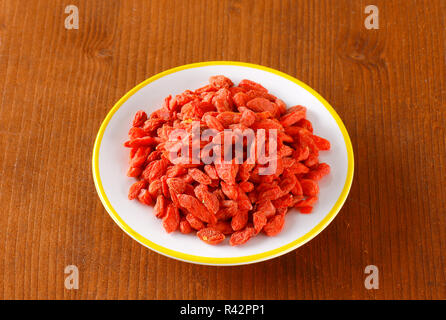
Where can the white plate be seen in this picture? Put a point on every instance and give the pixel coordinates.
(110, 164)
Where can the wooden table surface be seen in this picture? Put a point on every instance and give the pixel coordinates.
(388, 86)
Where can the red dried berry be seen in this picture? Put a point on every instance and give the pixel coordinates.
(139, 119)
(240, 220)
(321, 143)
(193, 206)
(309, 187)
(229, 190)
(224, 227)
(220, 82)
(160, 206)
(274, 226)
(134, 172)
(319, 172)
(136, 132)
(292, 117)
(185, 226)
(144, 197)
(171, 220)
(259, 219)
(241, 237)
(251, 85)
(262, 104)
(199, 176)
(208, 199)
(308, 202)
(211, 236)
(305, 210)
(211, 172)
(135, 189)
(194, 222)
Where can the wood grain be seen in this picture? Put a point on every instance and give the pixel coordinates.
(57, 85)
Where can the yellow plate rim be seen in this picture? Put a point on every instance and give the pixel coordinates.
(218, 260)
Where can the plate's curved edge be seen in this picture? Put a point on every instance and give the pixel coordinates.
(214, 260)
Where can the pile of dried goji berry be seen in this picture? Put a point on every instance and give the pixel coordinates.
(221, 199)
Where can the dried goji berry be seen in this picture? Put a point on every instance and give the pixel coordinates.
(141, 142)
(213, 123)
(220, 82)
(225, 214)
(152, 125)
(144, 197)
(309, 187)
(308, 202)
(226, 118)
(229, 190)
(140, 157)
(223, 100)
(284, 202)
(193, 205)
(210, 171)
(288, 183)
(241, 237)
(185, 226)
(155, 188)
(321, 143)
(155, 155)
(209, 200)
(136, 188)
(312, 160)
(240, 99)
(297, 190)
(306, 124)
(240, 220)
(251, 85)
(248, 118)
(194, 222)
(282, 211)
(281, 106)
(211, 236)
(227, 172)
(319, 172)
(270, 194)
(245, 204)
(294, 116)
(224, 227)
(267, 124)
(267, 208)
(171, 220)
(176, 184)
(136, 132)
(199, 176)
(261, 104)
(302, 153)
(134, 172)
(157, 170)
(259, 219)
(305, 210)
(274, 225)
(139, 119)
(175, 171)
(160, 206)
(246, 186)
